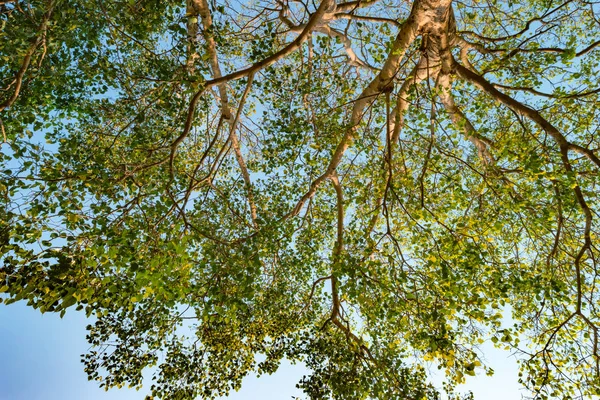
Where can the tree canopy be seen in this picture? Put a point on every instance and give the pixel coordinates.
(368, 187)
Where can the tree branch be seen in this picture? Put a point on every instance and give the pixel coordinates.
(380, 83)
(238, 153)
(522, 109)
(293, 46)
(39, 41)
(460, 120)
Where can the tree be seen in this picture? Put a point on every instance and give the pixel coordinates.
(363, 186)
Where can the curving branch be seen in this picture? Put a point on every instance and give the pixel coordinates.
(290, 48)
(548, 95)
(238, 153)
(368, 18)
(564, 147)
(339, 246)
(378, 85)
(461, 120)
(522, 31)
(39, 41)
(353, 59)
(523, 109)
(201, 8)
(324, 28)
(354, 5)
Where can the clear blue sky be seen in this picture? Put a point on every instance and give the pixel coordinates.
(39, 360)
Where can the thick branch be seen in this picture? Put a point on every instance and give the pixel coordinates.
(39, 40)
(339, 246)
(293, 46)
(522, 31)
(238, 153)
(380, 83)
(201, 7)
(325, 29)
(522, 109)
(368, 18)
(460, 120)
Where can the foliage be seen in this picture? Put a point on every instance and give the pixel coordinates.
(368, 187)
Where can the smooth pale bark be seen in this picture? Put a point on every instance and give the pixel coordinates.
(460, 119)
(201, 7)
(290, 48)
(381, 82)
(433, 22)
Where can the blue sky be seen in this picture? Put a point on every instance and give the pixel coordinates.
(39, 360)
